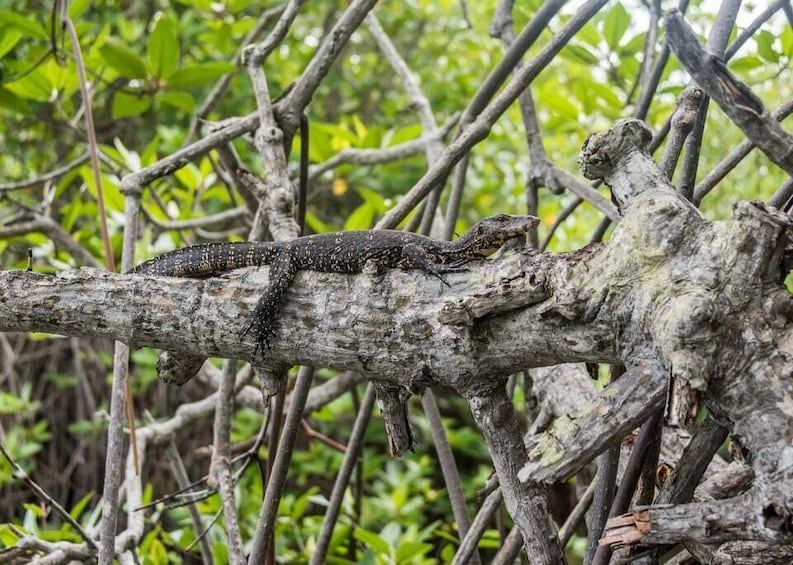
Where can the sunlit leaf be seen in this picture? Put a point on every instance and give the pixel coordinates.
(361, 218)
(163, 48)
(177, 99)
(123, 58)
(765, 46)
(26, 24)
(125, 105)
(786, 37)
(196, 75)
(9, 37)
(748, 63)
(579, 54)
(372, 540)
(408, 552)
(34, 86)
(615, 24)
(78, 508)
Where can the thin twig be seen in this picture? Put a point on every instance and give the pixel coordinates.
(90, 131)
(46, 177)
(220, 466)
(182, 480)
(467, 553)
(480, 127)
(577, 514)
(717, 44)
(509, 63)
(20, 474)
(451, 474)
(276, 481)
(723, 168)
(565, 213)
(354, 447)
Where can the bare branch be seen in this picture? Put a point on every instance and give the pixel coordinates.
(480, 127)
(275, 482)
(20, 474)
(737, 100)
(46, 177)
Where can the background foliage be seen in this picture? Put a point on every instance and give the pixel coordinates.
(150, 65)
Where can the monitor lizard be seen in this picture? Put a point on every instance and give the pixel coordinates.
(338, 252)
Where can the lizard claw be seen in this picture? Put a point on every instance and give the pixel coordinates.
(263, 334)
(441, 278)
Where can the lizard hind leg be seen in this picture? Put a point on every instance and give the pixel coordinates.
(282, 273)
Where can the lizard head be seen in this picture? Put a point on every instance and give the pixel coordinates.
(489, 234)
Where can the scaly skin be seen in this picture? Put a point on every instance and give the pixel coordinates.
(338, 252)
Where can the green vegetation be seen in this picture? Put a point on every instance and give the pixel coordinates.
(150, 67)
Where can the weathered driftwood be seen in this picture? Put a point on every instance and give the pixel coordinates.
(670, 294)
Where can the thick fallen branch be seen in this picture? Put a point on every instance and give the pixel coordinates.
(404, 326)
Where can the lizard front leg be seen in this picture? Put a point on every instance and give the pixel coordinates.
(416, 257)
(283, 270)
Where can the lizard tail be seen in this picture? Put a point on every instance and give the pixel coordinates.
(207, 259)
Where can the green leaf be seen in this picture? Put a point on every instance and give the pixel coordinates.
(113, 198)
(562, 106)
(77, 7)
(361, 218)
(748, 63)
(78, 508)
(163, 49)
(177, 99)
(579, 54)
(786, 37)
(408, 552)
(196, 75)
(372, 541)
(126, 105)
(35, 86)
(359, 127)
(27, 25)
(765, 46)
(204, 5)
(317, 225)
(589, 35)
(604, 93)
(634, 45)
(190, 177)
(12, 404)
(615, 24)
(13, 102)
(34, 509)
(302, 502)
(7, 537)
(373, 198)
(123, 58)
(9, 37)
(407, 133)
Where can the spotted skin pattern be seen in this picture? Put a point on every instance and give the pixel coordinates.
(338, 252)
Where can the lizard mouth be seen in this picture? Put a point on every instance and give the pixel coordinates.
(488, 252)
